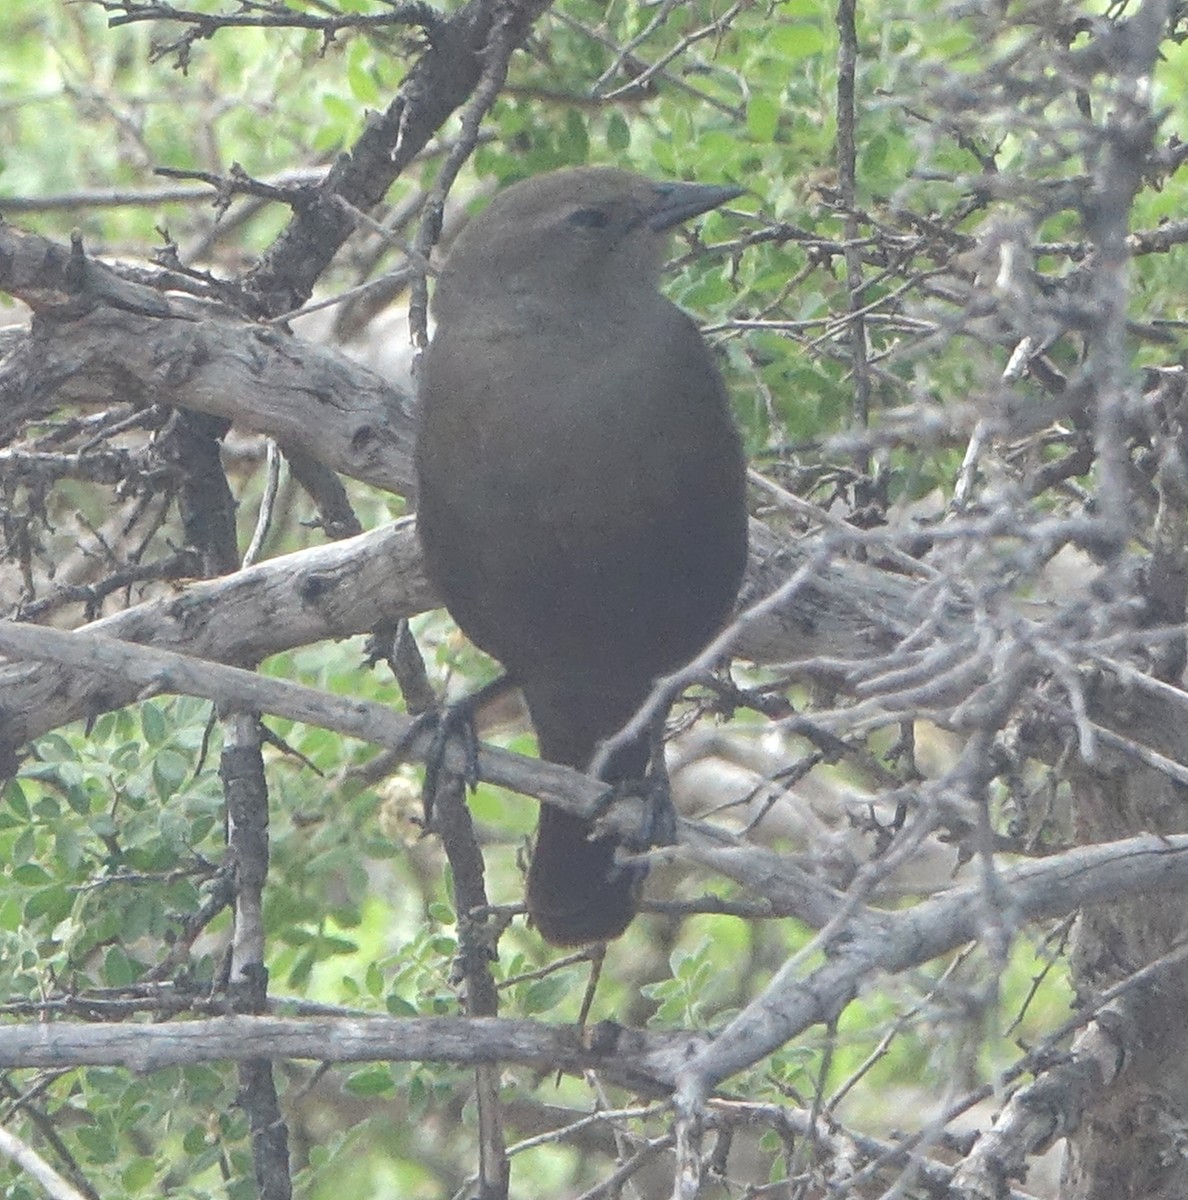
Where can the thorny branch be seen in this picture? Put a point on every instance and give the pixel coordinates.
(1028, 603)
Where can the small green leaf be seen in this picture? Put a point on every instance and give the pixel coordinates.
(796, 41)
(763, 118)
(98, 1143)
(169, 772)
(374, 979)
(370, 1081)
(138, 1174)
(68, 848)
(575, 138)
(15, 795)
(78, 800)
(618, 133)
(362, 84)
(10, 915)
(52, 902)
(30, 875)
(543, 994)
(194, 1141)
(874, 153)
(299, 975)
(118, 968)
(152, 722)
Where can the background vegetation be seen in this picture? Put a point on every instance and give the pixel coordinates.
(950, 312)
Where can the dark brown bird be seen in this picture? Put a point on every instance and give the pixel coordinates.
(581, 484)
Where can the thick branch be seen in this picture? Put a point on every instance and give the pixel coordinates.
(327, 592)
(632, 1058)
(649, 1062)
(442, 80)
(305, 396)
(797, 999)
(350, 586)
(149, 671)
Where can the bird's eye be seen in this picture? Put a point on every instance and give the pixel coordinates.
(589, 218)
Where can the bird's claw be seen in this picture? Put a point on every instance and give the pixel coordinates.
(658, 826)
(459, 719)
(454, 721)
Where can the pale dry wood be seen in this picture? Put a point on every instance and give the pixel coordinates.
(34, 1165)
(651, 1061)
(326, 592)
(634, 1058)
(307, 397)
(800, 996)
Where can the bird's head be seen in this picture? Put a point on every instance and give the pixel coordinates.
(592, 232)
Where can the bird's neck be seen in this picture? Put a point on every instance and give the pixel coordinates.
(514, 306)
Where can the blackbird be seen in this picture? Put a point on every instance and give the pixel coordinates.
(581, 495)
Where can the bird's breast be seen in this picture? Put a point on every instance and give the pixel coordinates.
(582, 495)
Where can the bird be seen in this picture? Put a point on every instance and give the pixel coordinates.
(580, 486)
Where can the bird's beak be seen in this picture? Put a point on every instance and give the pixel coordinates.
(677, 202)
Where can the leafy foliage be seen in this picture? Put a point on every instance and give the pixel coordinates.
(112, 839)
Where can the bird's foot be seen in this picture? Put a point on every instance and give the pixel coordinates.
(453, 722)
(662, 812)
(658, 824)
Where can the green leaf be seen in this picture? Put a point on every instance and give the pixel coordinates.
(763, 117)
(78, 800)
(30, 874)
(371, 1081)
(15, 795)
(361, 81)
(47, 809)
(543, 994)
(10, 914)
(574, 142)
(98, 1143)
(302, 968)
(68, 847)
(118, 968)
(874, 154)
(374, 979)
(796, 41)
(618, 133)
(152, 722)
(138, 1174)
(103, 824)
(52, 903)
(194, 1140)
(170, 770)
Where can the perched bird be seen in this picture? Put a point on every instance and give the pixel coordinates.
(581, 484)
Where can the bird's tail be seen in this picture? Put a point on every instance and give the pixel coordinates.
(577, 893)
